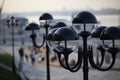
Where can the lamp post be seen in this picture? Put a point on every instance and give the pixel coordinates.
(44, 20)
(4, 39)
(59, 42)
(12, 23)
(33, 26)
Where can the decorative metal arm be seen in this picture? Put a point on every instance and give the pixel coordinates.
(33, 37)
(102, 51)
(77, 66)
(59, 57)
(66, 65)
(113, 51)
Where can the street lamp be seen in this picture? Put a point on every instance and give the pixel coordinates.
(33, 27)
(12, 23)
(59, 41)
(44, 20)
(4, 39)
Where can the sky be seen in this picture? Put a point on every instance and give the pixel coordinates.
(54, 5)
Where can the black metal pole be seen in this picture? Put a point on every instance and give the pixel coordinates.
(47, 57)
(0, 21)
(4, 41)
(85, 60)
(22, 38)
(13, 63)
(85, 56)
(97, 57)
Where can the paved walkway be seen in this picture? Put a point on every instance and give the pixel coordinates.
(38, 71)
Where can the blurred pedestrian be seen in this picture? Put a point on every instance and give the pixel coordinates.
(21, 54)
(26, 57)
(32, 56)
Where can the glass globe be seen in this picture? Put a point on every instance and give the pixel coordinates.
(63, 46)
(42, 23)
(81, 27)
(63, 40)
(77, 27)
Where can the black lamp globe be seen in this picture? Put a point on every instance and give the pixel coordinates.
(58, 25)
(50, 38)
(32, 29)
(84, 21)
(110, 33)
(54, 27)
(96, 33)
(45, 18)
(32, 26)
(84, 17)
(64, 34)
(64, 40)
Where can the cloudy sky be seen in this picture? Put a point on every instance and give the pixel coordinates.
(53, 5)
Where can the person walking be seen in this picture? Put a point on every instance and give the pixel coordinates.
(26, 57)
(21, 54)
(32, 56)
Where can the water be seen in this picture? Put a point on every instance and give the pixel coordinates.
(105, 20)
(35, 18)
(109, 20)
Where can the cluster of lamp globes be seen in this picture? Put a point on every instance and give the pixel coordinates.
(63, 39)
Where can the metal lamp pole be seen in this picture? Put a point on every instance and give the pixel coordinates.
(4, 40)
(3, 24)
(33, 26)
(12, 22)
(46, 17)
(13, 59)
